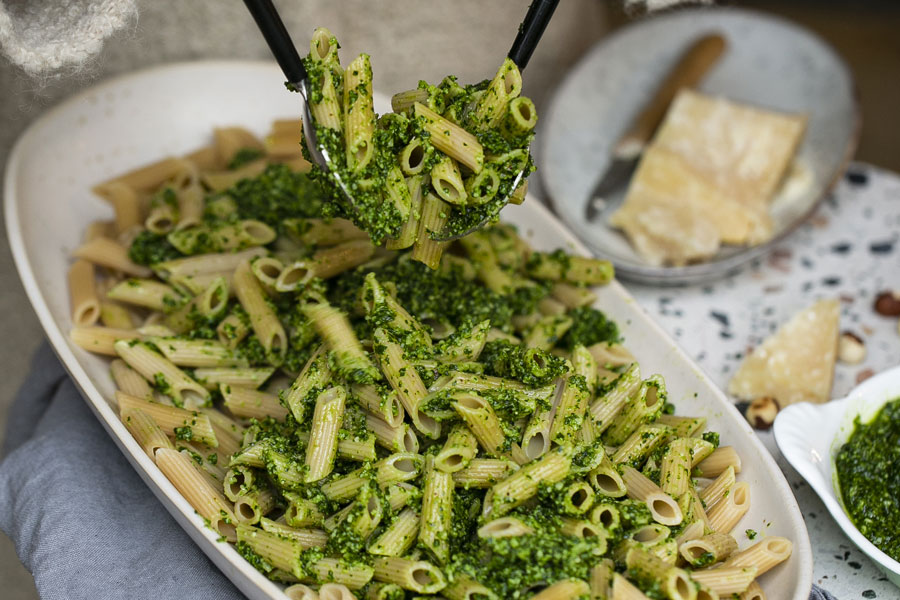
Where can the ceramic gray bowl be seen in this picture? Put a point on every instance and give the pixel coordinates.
(769, 62)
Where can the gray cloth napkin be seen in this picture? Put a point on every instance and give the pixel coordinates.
(82, 520)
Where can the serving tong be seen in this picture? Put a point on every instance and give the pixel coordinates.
(279, 41)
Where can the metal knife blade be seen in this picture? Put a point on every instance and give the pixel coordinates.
(616, 176)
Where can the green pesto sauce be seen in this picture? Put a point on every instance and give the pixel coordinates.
(589, 326)
(868, 471)
(532, 366)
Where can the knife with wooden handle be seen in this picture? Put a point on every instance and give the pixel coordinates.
(696, 61)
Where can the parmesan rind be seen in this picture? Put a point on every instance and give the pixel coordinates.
(796, 364)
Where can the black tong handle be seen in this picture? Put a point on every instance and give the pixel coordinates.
(531, 30)
(278, 39)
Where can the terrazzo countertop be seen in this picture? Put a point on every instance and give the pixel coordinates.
(849, 250)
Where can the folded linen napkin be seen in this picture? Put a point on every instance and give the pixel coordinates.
(83, 522)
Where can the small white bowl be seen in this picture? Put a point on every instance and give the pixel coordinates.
(810, 436)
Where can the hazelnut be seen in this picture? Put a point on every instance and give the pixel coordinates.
(762, 411)
(851, 349)
(887, 304)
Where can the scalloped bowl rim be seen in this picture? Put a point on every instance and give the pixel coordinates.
(810, 436)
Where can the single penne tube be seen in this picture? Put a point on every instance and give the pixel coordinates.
(692, 531)
(202, 264)
(581, 528)
(608, 406)
(339, 572)
(606, 481)
(577, 498)
(601, 577)
(468, 347)
(673, 582)
(383, 404)
(520, 118)
(437, 511)
(323, 436)
(190, 205)
(396, 468)
(149, 176)
(708, 549)
(125, 202)
(232, 330)
(611, 355)
(563, 590)
(83, 294)
(675, 468)
(663, 508)
(116, 316)
(451, 139)
(403, 101)
(413, 575)
(643, 441)
(249, 508)
(148, 293)
(393, 439)
(721, 458)
(763, 555)
(198, 353)
(720, 487)
(244, 377)
(145, 431)
(252, 404)
(481, 383)
(435, 213)
(284, 145)
(281, 553)
(208, 304)
(504, 527)
(323, 232)
(130, 381)
(222, 237)
(692, 507)
(160, 371)
(570, 411)
(399, 537)
(482, 421)
(395, 193)
(725, 580)
(181, 471)
(328, 262)
(173, 421)
(536, 437)
(460, 447)
(579, 270)
(607, 515)
(112, 255)
(306, 537)
(229, 141)
(263, 319)
(484, 472)
(335, 330)
(643, 407)
(725, 515)
(315, 374)
(101, 340)
(523, 484)
(447, 182)
(405, 380)
(410, 229)
(491, 106)
(359, 113)
(622, 589)
(219, 181)
(683, 426)
(327, 111)
(572, 296)
(267, 269)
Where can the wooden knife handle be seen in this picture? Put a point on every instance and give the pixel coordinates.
(687, 72)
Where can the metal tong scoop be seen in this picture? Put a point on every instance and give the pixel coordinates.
(282, 47)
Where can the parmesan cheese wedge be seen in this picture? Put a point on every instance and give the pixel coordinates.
(796, 364)
(707, 179)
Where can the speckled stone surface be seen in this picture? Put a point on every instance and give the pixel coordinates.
(849, 250)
